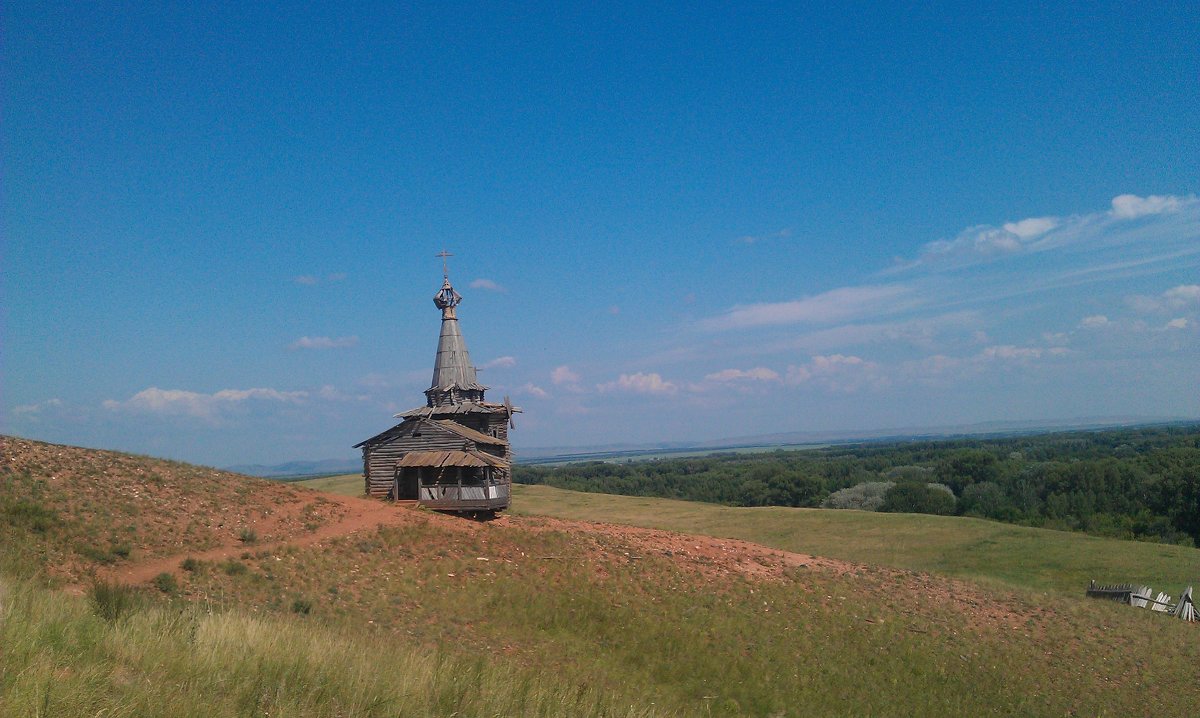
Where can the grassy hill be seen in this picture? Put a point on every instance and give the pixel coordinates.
(529, 615)
(975, 549)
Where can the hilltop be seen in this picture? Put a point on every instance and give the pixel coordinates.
(536, 615)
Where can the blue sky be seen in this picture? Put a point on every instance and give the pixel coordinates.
(680, 222)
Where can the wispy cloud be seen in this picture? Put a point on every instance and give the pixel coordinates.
(760, 373)
(984, 243)
(837, 372)
(1095, 321)
(487, 284)
(841, 304)
(311, 280)
(533, 390)
(566, 378)
(756, 238)
(504, 362)
(639, 383)
(180, 402)
(1174, 298)
(564, 375)
(1009, 352)
(38, 408)
(323, 343)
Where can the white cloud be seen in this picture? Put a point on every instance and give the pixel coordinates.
(487, 284)
(1177, 323)
(1032, 227)
(1183, 294)
(1096, 230)
(837, 372)
(1009, 352)
(985, 241)
(505, 362)
(1130, 206)
(755, 374)
(310, 280)
(39, 407)
(755, 238)
(329, 392)
(178, 402)
(323, 342)
(640, 383)
(377, 380)
(563, 375)
(533, 390)
(1173, 298)
(834, 305)
(1093, 322)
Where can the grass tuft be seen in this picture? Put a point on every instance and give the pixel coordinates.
(166, 583)
(111, 601)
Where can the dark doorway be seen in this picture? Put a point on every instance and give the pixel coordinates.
(407, 481)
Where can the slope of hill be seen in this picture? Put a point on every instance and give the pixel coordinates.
(1038, 559)
(518, 611)
(94, 507)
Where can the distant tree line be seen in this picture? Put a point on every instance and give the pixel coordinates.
(1141, 483)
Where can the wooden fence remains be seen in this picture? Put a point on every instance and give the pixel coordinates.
(1143, 597)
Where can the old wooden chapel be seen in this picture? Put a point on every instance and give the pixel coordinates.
(451, 454)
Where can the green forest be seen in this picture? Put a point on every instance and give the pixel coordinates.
(1141, 483)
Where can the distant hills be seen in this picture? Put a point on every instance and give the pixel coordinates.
(794, 439)
(299, 468)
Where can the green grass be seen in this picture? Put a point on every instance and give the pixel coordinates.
(345, 485)
(60, 658)
(1039, 559)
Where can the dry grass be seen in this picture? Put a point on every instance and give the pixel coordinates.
(537, 617)
(60, 658)
(111, 508)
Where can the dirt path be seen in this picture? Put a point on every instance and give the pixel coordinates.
(711, 555)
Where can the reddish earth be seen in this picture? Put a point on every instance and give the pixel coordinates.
(709, 556)
(152, 514)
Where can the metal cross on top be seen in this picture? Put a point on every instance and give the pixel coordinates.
(443, 254)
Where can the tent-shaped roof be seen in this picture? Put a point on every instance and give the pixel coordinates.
(452, 368)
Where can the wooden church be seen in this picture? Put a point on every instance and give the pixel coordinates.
(451, 454)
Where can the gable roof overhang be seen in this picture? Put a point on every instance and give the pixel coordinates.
(467, 432)
(451, 426)
(439, 459)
